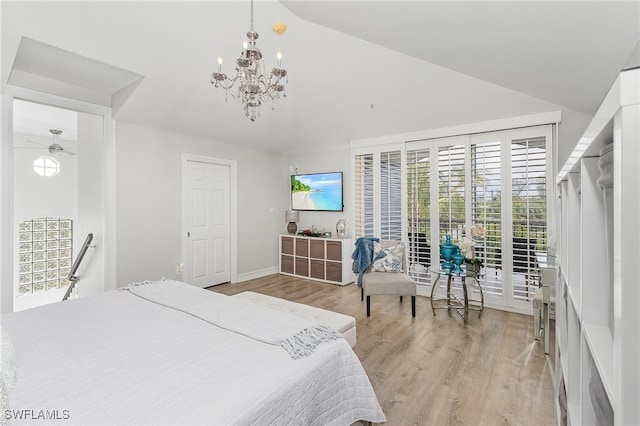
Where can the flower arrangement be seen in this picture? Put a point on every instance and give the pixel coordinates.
(474, 261)
(477, 230)
(467, 244)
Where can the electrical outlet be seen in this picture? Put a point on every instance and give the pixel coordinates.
(180, 269)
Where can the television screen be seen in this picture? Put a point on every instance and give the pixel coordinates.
(317, 192)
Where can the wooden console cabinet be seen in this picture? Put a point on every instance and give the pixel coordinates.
(320, 259)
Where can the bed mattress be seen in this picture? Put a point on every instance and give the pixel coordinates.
(116, 358)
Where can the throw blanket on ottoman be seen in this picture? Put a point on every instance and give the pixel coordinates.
(297, 336)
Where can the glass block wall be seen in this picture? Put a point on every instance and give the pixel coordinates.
(44, 254)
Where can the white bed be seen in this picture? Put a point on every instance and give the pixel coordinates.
(118, 358)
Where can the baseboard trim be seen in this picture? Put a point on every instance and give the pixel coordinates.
(256, 274)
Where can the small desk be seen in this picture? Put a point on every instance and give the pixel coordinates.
(452, 301)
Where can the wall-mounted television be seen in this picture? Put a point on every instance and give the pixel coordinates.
(317, 192)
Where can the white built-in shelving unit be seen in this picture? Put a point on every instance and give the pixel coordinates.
(598, 309)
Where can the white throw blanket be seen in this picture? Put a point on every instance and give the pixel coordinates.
(8, 368)
(296, 335)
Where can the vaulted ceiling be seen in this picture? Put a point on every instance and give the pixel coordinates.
(561, 52)
(356, 68)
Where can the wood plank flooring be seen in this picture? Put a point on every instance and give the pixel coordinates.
(432, 370)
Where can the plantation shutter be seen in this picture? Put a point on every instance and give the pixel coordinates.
(391, 195)
(419, 213)
(528, 212)
(486, 203)
(451, 191)
(363, 196)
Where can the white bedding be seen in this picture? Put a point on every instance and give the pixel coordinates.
(118, 359)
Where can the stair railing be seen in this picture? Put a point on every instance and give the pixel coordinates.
(72, 277)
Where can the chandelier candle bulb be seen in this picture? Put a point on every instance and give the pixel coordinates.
(279, 55)
(219, 63)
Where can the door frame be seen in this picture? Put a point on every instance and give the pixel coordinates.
(233, 210)
(7, 242)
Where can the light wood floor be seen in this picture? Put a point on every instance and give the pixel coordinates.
(434, 370)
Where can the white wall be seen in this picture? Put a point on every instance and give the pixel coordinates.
(91, 184)
(149, 196)
(149, 211)
(569, 133)
(39, 196)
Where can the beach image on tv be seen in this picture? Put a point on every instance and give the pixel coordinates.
(319, 191)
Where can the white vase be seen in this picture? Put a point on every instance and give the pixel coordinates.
(342, 228)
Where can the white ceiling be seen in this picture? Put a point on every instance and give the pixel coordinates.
(421, 64)
(36, 120)
(563, 52)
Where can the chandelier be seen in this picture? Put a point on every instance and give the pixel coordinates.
(253, 85)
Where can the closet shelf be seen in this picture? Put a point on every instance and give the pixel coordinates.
(600, 342)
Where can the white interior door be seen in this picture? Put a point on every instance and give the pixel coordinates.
(208, 224)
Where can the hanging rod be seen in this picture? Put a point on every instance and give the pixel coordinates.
(72, 277)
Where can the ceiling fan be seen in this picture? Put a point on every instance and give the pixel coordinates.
(55, 148)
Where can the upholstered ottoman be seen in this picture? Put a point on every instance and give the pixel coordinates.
(339, 322)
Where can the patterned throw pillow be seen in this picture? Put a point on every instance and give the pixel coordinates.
(392, 259)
